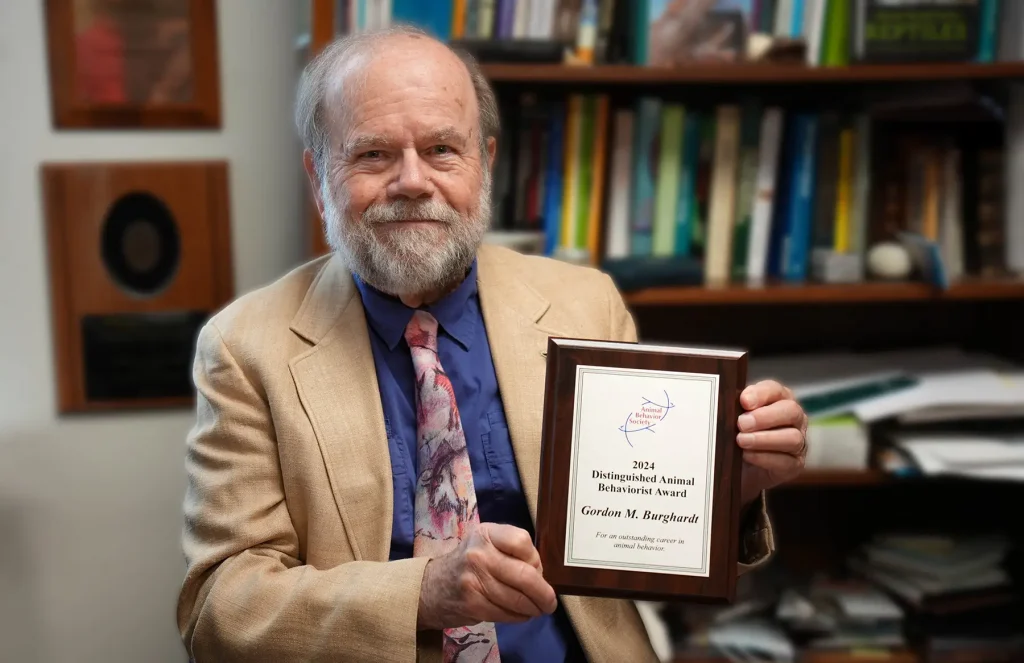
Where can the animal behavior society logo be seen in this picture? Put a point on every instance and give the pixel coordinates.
(646, 417)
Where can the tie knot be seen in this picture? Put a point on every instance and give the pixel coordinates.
(421, 332)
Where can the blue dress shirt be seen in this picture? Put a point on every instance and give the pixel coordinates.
(466, 357)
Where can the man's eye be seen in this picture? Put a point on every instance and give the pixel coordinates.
(372, 154)
(441, 149)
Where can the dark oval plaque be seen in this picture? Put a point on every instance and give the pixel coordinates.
(141, 247)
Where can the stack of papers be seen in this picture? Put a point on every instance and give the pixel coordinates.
(989, 456)
(844, 394)
(911, 386)
(951, 396)
(922, 569)
(842, 615)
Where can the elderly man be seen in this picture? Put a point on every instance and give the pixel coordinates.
(363, 471)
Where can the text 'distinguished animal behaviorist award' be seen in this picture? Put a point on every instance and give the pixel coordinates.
(640, 475)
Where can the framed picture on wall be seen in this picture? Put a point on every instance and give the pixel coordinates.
(133, 63)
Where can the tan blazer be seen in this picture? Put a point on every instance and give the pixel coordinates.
(289, 504)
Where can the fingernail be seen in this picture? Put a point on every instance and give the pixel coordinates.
(746, 421)
(750, 400)
(745, 439)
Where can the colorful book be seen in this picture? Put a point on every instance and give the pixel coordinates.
(718, 255)
(645, 152)
(666, 194)
(686, 203)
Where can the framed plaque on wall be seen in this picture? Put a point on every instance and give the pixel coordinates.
(133, 63)
(139, 257)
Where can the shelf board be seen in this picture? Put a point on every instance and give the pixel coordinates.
(824, 294)
(881, 656)
(839, 478)
(752, 73)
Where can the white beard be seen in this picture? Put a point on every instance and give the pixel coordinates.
(407, 261)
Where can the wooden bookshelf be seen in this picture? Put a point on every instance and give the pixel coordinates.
(752, 73)
(823, 515)
(880, 656)
(872, 292)
(823, 478)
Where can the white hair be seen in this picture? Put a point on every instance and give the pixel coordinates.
(311, 120)
(415, 260)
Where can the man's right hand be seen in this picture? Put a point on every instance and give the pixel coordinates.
(494, 575)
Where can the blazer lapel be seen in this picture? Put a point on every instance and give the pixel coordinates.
(512, 312)
(519, 322)
(337, 384)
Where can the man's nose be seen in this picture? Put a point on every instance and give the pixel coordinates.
(413, 179)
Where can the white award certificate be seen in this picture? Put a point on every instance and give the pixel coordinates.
(641, 472)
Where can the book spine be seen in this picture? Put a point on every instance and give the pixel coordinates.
(645, 172)
(844, 191)
(988, 24)
(672, 116)
(521, 22)
(574, 122)
(459, 19)
(597, 188)
(688, 183)
(723, 195)
(620, 186)
(747, 182)
(586, 174)
(553, 187)
(861, 195)
(764, 198)
(797, 241)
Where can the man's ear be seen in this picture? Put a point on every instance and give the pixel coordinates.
(314, 180)
(492, 151)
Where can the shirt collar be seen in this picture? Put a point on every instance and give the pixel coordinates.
(388, 316)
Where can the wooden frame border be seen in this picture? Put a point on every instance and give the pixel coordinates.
(67, 347)
(203, 112)
(552, 500)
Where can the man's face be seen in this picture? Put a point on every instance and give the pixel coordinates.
(406, 193)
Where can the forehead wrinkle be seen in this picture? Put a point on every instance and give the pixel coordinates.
(346, 82)
(351, 77)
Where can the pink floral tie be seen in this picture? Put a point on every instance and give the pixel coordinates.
(445, 498)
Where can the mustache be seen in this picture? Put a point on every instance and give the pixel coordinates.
(411, 210)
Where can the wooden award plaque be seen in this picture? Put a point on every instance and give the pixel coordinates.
(140, 256)
(639, 492)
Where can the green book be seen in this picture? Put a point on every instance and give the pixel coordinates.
(836, 48)
(670, 161)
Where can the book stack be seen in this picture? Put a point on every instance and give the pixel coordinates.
(933, 571)
(832, 615)
(957, 592)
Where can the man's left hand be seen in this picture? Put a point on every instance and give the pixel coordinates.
(773, 437)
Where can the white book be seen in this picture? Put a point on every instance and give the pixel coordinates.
(764, 195)
(814, 29)
(521, 23)
(784, 19)
(542, 19)
(951, 219)
(617, 240)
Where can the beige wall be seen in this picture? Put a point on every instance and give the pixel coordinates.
(90, 506)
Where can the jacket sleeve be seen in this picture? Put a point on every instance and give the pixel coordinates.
(757, 540)
(247, 593)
